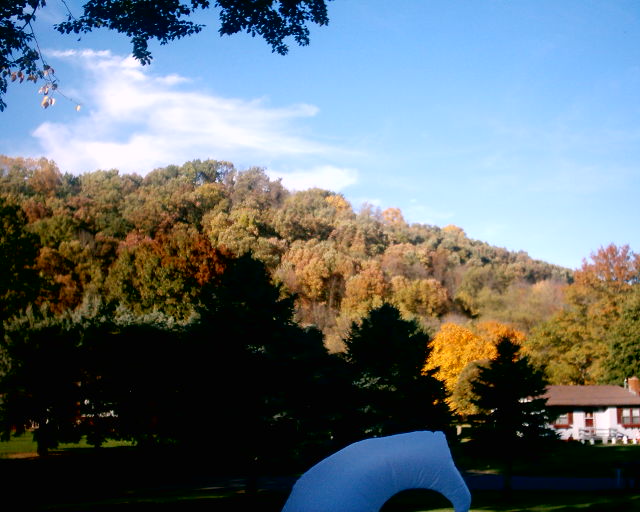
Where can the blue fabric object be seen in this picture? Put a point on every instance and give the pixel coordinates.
(364, 475)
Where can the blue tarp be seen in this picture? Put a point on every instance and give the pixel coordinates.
(364, 475)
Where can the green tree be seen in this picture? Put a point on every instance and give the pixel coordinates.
(177, 194)
(419, 297)
(462, 395)
(18, 250)
(245, 230)
(574, 340)
(40, 380)
(134, 380)
(566, 346)
(307, 215)
(101, 199)
(508, 393)
(268, 378)
(386, 355)
(142, 21)
(623, 340)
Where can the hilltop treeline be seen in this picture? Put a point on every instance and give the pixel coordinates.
(150, 243)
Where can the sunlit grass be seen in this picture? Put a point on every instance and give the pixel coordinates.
(24, 446)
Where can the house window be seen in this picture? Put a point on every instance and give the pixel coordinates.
(588, 419)
(629, 417)
(564, 420)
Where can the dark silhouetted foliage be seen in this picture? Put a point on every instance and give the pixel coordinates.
(386, 355)
(512, 412)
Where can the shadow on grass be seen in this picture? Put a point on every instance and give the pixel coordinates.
(554, 459)
(537, 501)
(264, 501)
(409, 501)
(127, 480)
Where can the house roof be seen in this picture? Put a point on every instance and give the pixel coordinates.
(590, 396)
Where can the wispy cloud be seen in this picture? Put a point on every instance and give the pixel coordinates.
(135, 121)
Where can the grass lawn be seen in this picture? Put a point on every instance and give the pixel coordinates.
(77, 478)
(410, 501)
(491, 501)
(24, 446)
(560, 459)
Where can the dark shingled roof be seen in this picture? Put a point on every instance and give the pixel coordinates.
(590, 396)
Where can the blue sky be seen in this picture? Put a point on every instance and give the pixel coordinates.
(516, 120)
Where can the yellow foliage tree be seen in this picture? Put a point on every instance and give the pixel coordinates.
(493, 332)
(455, 347)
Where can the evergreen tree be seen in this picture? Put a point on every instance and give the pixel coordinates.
(263, 375)
(508, 393)
(386, 355)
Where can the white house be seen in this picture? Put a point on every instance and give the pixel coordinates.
(590, 413)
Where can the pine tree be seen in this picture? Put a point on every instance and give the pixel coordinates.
(513, 417)
(386, 354)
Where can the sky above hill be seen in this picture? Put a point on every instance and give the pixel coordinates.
(518, 121)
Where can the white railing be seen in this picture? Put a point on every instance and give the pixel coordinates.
(605, 435)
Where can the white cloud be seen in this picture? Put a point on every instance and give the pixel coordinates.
(323, 176)
(134, 121)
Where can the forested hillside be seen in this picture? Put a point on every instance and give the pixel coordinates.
(150, 243)
(128, 302)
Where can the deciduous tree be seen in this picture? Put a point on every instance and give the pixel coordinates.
(40, 380)
(454, 347)
(365, 290)
(623, 340)
(309, 214)
(18, 250)
(419, 297)
(164, 273)
(574, 341)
